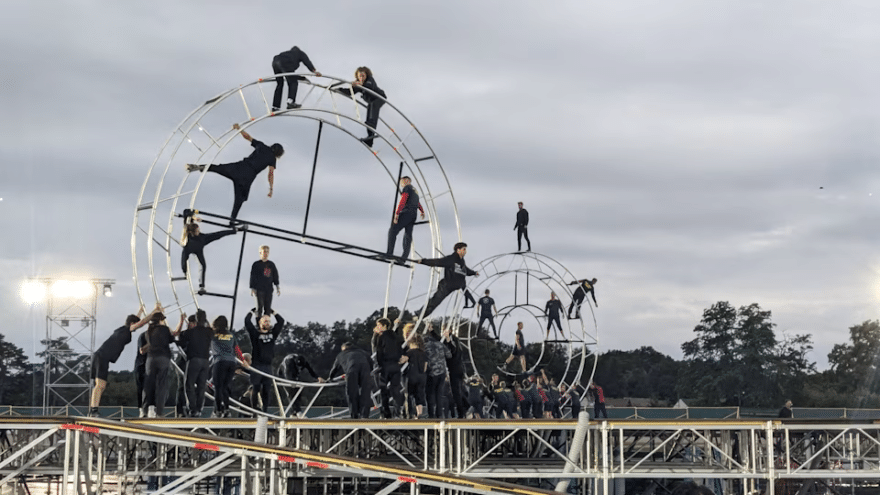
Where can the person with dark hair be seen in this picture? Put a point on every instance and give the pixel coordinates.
(158, 351)
(404, 218)
(453, 279)
(487, 307)
(417, 373)
(518, 350)
(286, 62)
(584, 286)
(476, 392)
(374, 98)
(455, 365)
(263, 352)
(355, 364)
(525, 405)
(290, 369)
(389, 357)
(437, 354)
(224, 351)
(574, 399)
(110, 351)
(194, 241)
(243, 173)
(552, 310)
(196, 342)
(598, 396)
(522, 227)
(264, 274)
(140, 371)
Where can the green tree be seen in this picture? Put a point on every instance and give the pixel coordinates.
(854, 366)
(15, 374)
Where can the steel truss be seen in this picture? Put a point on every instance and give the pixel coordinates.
(530, 456)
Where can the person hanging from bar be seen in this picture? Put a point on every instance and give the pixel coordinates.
(364, 79)
(404, 218)
(584, 286)
(454, 275)
(289, 62)
(263, 352)
(244, 172)
(110, 351)
(264, 274)
(194, 242)
(552, 310)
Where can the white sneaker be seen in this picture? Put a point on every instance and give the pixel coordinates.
(151, 412)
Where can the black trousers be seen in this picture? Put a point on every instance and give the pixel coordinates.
(433, 388)
(491, 320)
(264, 302)
(405, 222)
(389, 387)
(222, 378)
(156, 382)
(440, 294)
(416, 384)
(357, 388)
(292, 84)
(261, 386)
(241, 182)
(468, 298)
(520, 233)
(554, 318)
(455, 381)
(599, 407)
(208, 239)
(140, 374)
(372, 120)
(195, 382)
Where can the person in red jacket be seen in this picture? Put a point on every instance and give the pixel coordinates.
(404, 218)
(598, 400)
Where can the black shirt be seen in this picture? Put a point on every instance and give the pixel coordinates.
(520, 339)
(418, 362)
(350, 360)
(454, 363)
(291, 59)
(412, 199)
(159, 338)
(454, 270)
(112, 348)
(196, 342)
(263, 344)
(522, 218)
(388, 347)
(261, 158)
(486, 304)
(291, 366)
(370, 84)
(141, 359)
(553, 307)
(263, 276)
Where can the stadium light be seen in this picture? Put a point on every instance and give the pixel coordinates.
(33, 291)
(108, 290)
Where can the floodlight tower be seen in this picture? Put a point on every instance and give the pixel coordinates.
(71, 308)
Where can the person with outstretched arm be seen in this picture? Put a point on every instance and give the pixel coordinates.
(522, 227)
(552, 310)
(404, 218)
(110, 351)
(264, 275)
(262, 354)
(244, 172)
(355, 364)
(455, 271)
(286, 62)
(584, 286)
(194, 241)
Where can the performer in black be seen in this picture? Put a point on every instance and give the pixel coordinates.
(243, 173)
(364, 79)
(264, 275)
(194, 242)
(262, 353)
(140, 371)
(389, 357)
(289, 369)
(196, 341)
(584, 286)
(224, 351)
(455, 365)
(552, 310)
(159, 338)
(453, 276)
(417, 374)
(487, 307)
(355, 364)
(289, 62)
(110, 351)
(519, 349)
(404, 217)
(522, 227)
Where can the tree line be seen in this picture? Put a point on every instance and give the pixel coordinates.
(736, 358)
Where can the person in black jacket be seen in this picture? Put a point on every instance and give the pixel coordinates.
(364, 79)
(522, 227)
(159, 338)
(196, 342)
(243, 173)
(289, 369)
(404, 217)
(552, 310)
(455, 365)
(453, 276)
(389, 357)
(356, 365)
(262, 353)
(785, 412)
(417, 373)
(584, 286)
(264, 274)
(289, 62)
(194, 242)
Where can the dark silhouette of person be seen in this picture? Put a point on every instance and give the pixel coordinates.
(404, 218)
(785, 412)
(552, 310)
(584, 286)
(454, 275)
(264, 275)
(355, 364)
(262, 354)
(194, 242)
(487, 312)
(389, 357)
(598, 401)
(522, 227)
(364, 79)
(244, 172)
(289, 62)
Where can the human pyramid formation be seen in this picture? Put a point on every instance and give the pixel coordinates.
(430, 364)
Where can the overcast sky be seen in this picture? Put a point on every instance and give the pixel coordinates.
(682, 152)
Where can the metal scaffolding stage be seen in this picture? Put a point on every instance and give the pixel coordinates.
(84, 455)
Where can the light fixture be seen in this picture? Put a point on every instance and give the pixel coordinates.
(108, 290)
(65, 323)
(33, 291)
